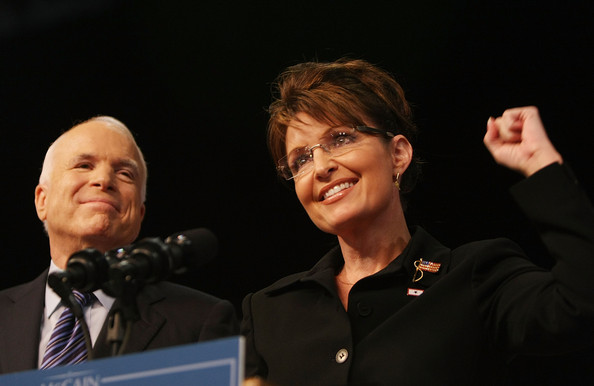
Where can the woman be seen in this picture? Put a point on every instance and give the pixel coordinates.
(390, 304)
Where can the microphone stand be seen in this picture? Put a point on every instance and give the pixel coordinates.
(122, 273)
(124, 311)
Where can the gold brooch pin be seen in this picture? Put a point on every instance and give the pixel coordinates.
(424, 265)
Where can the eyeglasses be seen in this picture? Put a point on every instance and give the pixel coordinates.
(300, 161)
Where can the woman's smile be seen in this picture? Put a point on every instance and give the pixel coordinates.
(331, 192)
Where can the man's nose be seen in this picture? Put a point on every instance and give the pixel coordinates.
(103, 177)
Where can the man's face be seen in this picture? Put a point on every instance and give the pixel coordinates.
(91, 194)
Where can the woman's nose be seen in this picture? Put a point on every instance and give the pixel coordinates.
(323, 162)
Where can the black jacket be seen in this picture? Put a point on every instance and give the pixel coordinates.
(486, 303)
(170, 315)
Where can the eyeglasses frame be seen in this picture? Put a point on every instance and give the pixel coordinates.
(362, 129)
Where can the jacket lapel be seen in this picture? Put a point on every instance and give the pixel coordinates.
(142, 331)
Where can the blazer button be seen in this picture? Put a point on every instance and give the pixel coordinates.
(364, 309)
(342, 355)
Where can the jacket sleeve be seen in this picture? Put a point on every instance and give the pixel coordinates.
(221, 322)
(564, 217)
(254, 365)
(532, 310)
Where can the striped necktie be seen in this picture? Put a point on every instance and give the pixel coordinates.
(67, 343)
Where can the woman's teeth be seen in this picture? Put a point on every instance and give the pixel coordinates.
(337, 189)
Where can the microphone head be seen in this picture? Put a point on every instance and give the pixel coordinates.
(200, 246)
(87, 269)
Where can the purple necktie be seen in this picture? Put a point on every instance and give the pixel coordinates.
(67, 343)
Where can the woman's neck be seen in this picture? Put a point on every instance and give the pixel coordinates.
(368, 250)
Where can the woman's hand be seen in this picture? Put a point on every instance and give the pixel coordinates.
(518, 140)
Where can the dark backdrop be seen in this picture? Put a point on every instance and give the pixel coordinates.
(192, 80)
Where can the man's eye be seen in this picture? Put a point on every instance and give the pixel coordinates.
(126, 173)
(84, 165)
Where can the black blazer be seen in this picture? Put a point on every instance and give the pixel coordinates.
(486, 303)
(170, 315)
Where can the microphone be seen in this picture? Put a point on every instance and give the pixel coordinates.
(86, 270)
(152, 260)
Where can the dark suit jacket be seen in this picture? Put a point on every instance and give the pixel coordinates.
(485, 304)
(170, 315)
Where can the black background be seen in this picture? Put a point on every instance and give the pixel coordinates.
(192, 80)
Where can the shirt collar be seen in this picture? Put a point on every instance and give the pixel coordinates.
(53, 300)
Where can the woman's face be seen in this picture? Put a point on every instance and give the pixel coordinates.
(354, 189)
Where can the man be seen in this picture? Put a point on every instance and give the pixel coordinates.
(91, 195)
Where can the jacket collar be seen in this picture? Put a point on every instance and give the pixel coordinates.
(421, 246)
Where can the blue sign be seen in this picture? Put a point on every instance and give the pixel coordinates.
(212, 363)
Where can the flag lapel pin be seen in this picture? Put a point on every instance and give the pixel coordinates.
(424, 266)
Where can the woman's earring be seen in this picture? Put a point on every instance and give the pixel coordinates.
(397, 182)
